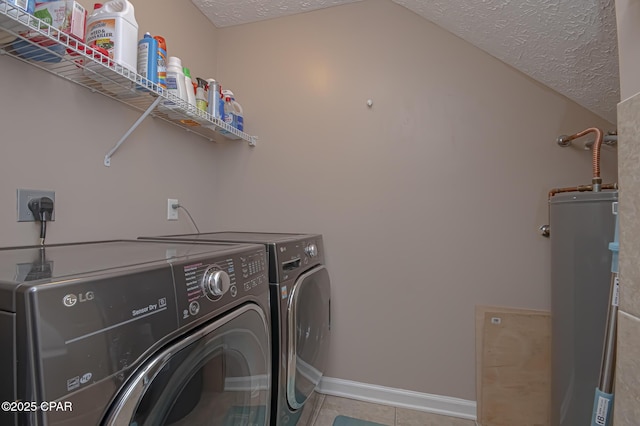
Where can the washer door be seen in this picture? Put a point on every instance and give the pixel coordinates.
(219, 375)
(309, 323)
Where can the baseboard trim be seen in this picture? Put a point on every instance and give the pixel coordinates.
(412, 400)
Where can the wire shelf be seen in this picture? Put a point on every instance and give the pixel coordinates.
(31, 40)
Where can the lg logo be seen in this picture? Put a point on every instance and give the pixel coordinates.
(71, 299)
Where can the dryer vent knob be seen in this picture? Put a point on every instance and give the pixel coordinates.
(215, 282)
(311, 250)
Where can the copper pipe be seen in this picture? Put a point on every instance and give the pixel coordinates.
(596, 180)
(582, 188)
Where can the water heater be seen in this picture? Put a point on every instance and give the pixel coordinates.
(582, 225)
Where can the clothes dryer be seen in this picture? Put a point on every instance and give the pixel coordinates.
(135, 333)
(300, 291)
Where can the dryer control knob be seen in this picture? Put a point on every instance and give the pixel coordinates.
(215, 282)
(311, 250)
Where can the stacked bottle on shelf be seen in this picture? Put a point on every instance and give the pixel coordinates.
(233, 114)
(201, 94)
(148, 58)
(175, 82)
(112, 26)
(26, 5)
(111, 33)
(66, 16)
(191, 89)
(172, 75)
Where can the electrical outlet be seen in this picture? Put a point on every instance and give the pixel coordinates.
(172, 214)
(26, 195)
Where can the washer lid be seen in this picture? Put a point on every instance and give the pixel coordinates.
(38, 264)
(240, 237)
(31, 263)
(281, 247)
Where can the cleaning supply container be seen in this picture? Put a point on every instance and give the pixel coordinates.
(236, 112)
(175, 82)
(162, 61)
(201, 97)
(26, 5)
(188, 84)
(214, 99)
(148, 58)
(114, 28)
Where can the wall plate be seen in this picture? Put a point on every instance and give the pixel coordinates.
(26, 195)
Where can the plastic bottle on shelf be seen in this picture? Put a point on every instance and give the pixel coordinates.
(66, 18)
(188, 83)
(175, 82)
(201, 97)
(214, 96)
(148, 58)
(228, 113)
(237, 119)
(162, 61)
(99, 73)
(114, 28)
(239, 115)
(26, 5)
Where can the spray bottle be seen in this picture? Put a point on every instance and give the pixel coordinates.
(201, 97)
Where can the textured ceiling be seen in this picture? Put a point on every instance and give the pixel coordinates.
(568, 45)
(225, 13)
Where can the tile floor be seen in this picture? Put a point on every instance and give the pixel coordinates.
(331, 406)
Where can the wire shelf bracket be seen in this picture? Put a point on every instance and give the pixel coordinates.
(107, 158)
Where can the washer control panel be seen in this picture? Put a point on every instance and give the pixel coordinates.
(311, 249)
(291, 258)
(204, 287)
(215, 282)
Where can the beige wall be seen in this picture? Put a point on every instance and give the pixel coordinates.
(628, 19)
(429, 201)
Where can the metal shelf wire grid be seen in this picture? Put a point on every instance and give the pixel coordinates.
(31, 40)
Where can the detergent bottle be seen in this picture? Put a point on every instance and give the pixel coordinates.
(175, 82)
(237, 114)
(148, 58)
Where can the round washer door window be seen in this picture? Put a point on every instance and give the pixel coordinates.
(309, 323)
(219, 375)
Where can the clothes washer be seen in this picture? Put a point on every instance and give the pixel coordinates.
(300, 315)
(135, 333)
